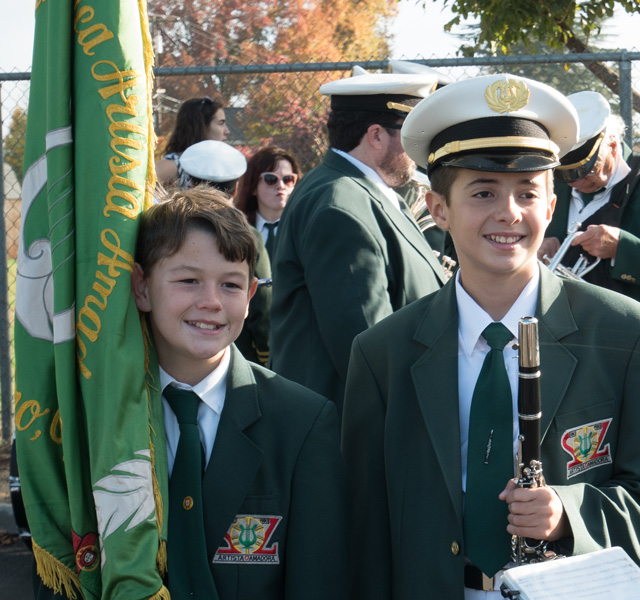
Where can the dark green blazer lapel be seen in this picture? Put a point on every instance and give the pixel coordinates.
(557, 364)
(404, 223)
(235, 458)
(435, 377)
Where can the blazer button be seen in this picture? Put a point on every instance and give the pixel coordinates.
(455, 548)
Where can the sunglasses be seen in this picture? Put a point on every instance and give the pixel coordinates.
(272, 179)
(205, 100)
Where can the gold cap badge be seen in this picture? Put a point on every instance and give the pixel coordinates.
(507, 95)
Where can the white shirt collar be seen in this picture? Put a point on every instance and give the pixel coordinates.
(372, 174)
(260, 221)
(473, 319)
(211, 389)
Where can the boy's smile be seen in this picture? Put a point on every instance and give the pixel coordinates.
(197, 302)
(497, 221)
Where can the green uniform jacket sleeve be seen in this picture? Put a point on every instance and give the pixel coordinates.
(253, 341)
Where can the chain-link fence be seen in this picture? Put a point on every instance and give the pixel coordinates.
(274, 104)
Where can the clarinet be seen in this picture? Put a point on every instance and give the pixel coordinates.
(525, 550)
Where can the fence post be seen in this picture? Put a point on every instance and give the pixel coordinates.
(6, 388)
(625, 97)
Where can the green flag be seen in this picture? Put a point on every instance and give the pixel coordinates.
(89, 430)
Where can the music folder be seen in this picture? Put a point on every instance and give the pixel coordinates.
(605, 574)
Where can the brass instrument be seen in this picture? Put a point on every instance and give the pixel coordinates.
(582, 265)
(425, 221)
(525, 550)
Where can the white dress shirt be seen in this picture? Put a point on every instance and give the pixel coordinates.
(577, 209)
(472, 350)
(211, 390)
(389, 193)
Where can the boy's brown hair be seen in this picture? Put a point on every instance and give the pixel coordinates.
(164, 227)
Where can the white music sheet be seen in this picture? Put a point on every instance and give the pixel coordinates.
(606, 574)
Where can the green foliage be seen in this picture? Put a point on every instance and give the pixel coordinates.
(507, 24)
(13, 145)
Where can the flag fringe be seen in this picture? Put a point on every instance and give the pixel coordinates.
(162, 594)
(147, 49)
(54, 574)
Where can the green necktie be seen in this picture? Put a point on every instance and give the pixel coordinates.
(189, 572)
(271, 239)
(588, 197)
(489, 459)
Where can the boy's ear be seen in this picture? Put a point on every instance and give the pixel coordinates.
(252, 290)
(438, 209)
(551, 207)
(140, 289)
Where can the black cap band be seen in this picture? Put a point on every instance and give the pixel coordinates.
(397, 104)
(495, 144)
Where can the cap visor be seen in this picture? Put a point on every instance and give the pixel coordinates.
(577, 173)
(522, 163)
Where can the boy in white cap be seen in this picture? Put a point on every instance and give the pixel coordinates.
(348, 251)
(215, 163)
(429, 444)
(597, 187)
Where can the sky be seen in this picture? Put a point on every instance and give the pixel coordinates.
(418, 32)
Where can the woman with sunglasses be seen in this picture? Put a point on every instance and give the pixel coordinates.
(198, 119)
(265, 188)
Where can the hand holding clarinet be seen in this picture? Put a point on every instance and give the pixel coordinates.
(536, 514)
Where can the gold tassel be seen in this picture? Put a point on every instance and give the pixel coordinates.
(161, 557)
(54, 574)
(162, 594)
(151, 138)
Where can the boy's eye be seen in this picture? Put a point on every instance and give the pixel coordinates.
(483, 194)
(232, 285)
(188, 280)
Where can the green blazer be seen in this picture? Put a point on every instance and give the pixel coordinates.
(625, 272)
(401, 436)
(344, 260)
(274, 493)
(253, 341)
(275, 463)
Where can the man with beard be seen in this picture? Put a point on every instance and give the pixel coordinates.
(348, 251)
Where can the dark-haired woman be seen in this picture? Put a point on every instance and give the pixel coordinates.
(198, 119)
(265, 188)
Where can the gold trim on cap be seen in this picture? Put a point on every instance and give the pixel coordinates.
(494, 142)
(396, 106)
(507, 95)
(584, 161)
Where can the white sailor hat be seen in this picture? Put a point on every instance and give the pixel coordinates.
(496, 123)
(212, 160)
(408, 67)
(379, 92)
(593, 112)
